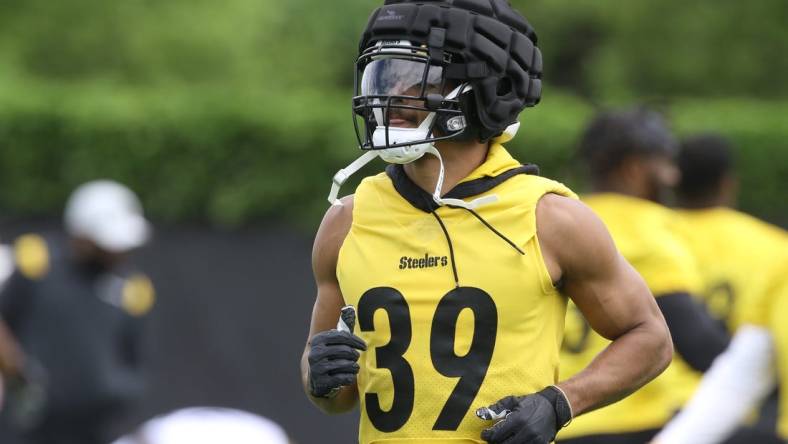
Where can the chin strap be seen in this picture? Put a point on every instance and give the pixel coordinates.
(436, 195)
(342, 175)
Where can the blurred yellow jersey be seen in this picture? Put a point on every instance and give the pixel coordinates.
(439, 350)
(744, 266)
(645, 235)
(778, 324)
(739, 258)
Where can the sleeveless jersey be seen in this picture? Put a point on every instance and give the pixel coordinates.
(644, 234)
(440, 349)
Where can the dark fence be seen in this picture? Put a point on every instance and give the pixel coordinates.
(229, 326)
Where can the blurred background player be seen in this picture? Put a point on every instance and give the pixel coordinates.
(744, 266)
(207, 425)
(459, 306)
(75, 311)
(736, 253)
(10, 356)
(630, 157)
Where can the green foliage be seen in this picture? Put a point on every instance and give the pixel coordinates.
(239, 111)
(218, 157)
(609, 48)
(266, 155)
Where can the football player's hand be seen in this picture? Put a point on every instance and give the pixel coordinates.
(333, 357)
(26, 396)
(532, 419)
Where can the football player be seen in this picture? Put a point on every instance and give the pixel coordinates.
(736, 252)
(75, 309)
(744, 265)
(458, 260)
(630, 157)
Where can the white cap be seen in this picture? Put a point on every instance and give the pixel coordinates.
(208, 425)
(109, 214)
(6, 267)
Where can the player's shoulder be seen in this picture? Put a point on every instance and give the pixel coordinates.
(535, 187)
(339, 216)
(762, 228)
(655, 216)
(33, 256)
(618, 203)
(637, 224)
(560, 209)
(748, 231)
(665, 233)
(139, 294)
(564, 212)
(331, 235)
(561, 219)
(572, 236)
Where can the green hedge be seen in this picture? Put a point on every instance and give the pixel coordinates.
(241, 113)
(232, 159)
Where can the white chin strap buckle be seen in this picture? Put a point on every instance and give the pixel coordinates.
(344, 174)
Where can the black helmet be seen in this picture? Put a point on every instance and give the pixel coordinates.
(472, 65)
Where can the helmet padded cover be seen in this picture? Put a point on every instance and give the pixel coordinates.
(493, 48)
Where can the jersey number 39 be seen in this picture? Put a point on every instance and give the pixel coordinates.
(470, 368)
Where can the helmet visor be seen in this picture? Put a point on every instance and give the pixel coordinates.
(397, 92)
(400, 77)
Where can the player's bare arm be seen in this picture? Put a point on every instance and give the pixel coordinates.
(325, 313)
(581, 255)
(11, 356)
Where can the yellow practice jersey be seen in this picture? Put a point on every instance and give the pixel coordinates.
(643, 232)
(744, 266)
(778, 324)
(439, 348)
(739, 258)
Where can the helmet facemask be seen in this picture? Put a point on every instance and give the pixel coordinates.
(402, 105)
(403, 102)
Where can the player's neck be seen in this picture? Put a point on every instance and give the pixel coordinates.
(616, 187)
(724, 195)
(631, 189)
(704, 203)
(459, 160)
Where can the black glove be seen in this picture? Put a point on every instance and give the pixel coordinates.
(332, 361)
(532, 419)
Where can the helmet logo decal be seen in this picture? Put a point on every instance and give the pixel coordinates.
(390, 15)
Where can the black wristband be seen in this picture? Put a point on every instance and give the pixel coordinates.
(563, 411)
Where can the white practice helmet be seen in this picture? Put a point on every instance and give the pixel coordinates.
(108, 214)
(208, 425)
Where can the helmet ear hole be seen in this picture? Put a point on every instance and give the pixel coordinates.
(504, 87)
